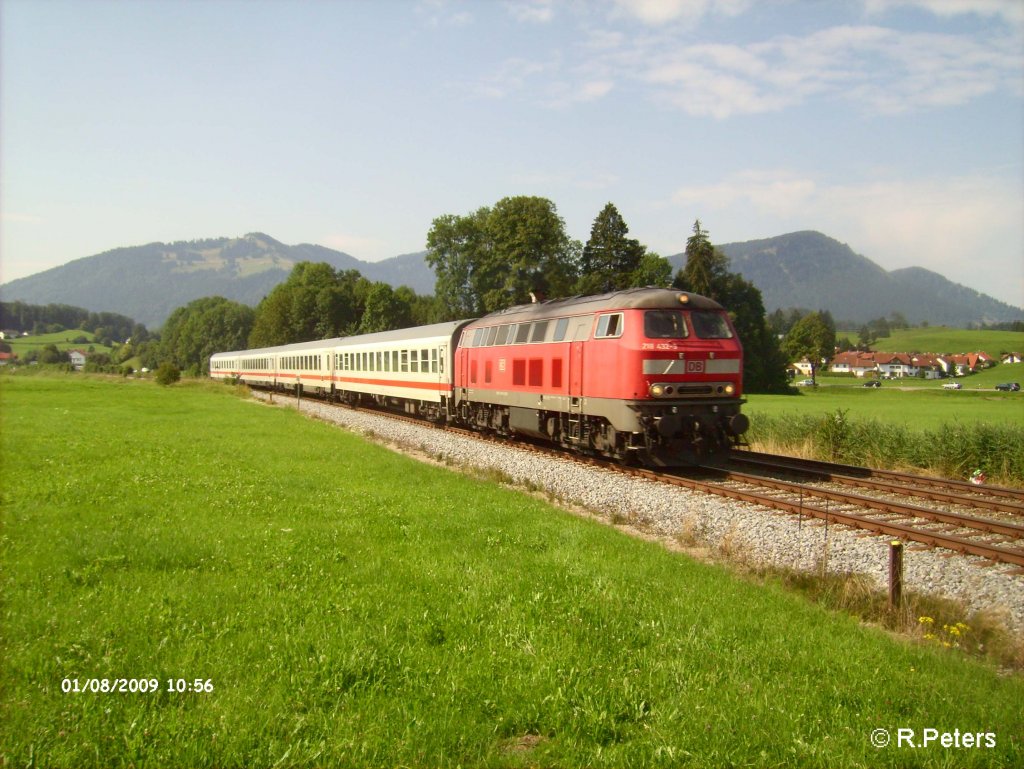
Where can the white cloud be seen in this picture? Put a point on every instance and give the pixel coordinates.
(687, 12)
(532, 11)
(1011, 10)
(883, 70)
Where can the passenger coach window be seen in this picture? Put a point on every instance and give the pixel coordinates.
(710, 325)
(664, 324)
(609, 326)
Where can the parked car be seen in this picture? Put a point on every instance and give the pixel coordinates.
(1010, 387)
(952, 386)
(872, 383)
(806, 383)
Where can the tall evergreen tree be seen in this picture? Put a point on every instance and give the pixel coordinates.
(707, 272)
(610, 260)
(706, 267)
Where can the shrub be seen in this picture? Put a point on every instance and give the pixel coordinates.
(167, 374)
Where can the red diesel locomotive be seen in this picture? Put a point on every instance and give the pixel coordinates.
(648, 375)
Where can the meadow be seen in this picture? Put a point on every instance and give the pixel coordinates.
(343, 605)
(943, 339)
(62, 340)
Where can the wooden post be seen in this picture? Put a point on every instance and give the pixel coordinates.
(895, 574)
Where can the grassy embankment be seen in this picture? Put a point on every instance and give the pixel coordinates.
(352, 607)
(63, 340)
(909, 424)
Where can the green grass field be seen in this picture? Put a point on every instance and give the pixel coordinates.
(942, 339)
(352, 607)
(62, 339)
(926, 405)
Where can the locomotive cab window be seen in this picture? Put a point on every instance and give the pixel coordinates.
(664, 324)
(710, 325)
(609, 326)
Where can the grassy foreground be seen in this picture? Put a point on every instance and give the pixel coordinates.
(352, 607)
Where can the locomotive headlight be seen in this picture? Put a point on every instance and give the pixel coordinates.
(657, 390)
(683, 298)
(730, 389)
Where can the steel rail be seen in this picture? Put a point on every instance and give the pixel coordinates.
(887, 506)
(860, 473)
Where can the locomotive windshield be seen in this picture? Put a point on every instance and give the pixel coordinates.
(664, 324)
(710, 325)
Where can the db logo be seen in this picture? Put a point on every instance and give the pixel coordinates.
(694, 367)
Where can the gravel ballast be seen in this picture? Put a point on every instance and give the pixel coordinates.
(680, 516)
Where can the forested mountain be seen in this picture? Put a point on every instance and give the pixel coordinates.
(811, 270)
(801, 269)
(149, 282)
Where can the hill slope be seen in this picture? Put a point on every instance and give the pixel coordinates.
(148, 282)
(808, 269)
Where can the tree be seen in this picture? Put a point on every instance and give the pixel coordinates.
(610, 260)
(202, 327)
(706, 267)
(707, 272)
(456, 252)
(314, 302)
(384, 310)
(497, 257)
(813, 337)
(654, 270)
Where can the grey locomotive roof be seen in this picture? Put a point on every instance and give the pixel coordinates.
(400, 335)
(653, 298)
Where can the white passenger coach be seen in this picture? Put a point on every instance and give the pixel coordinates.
(413, 366)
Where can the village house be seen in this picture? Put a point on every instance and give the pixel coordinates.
(932, 366)
(1012, 357)
(7, 357)
(894, 365)
(77, 359)
(860, 364)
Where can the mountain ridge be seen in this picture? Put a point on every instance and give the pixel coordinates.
(800, 269)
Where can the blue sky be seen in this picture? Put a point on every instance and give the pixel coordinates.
(895, 126)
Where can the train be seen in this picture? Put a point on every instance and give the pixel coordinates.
(650, 376)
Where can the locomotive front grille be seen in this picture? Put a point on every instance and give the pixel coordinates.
(692, 389)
